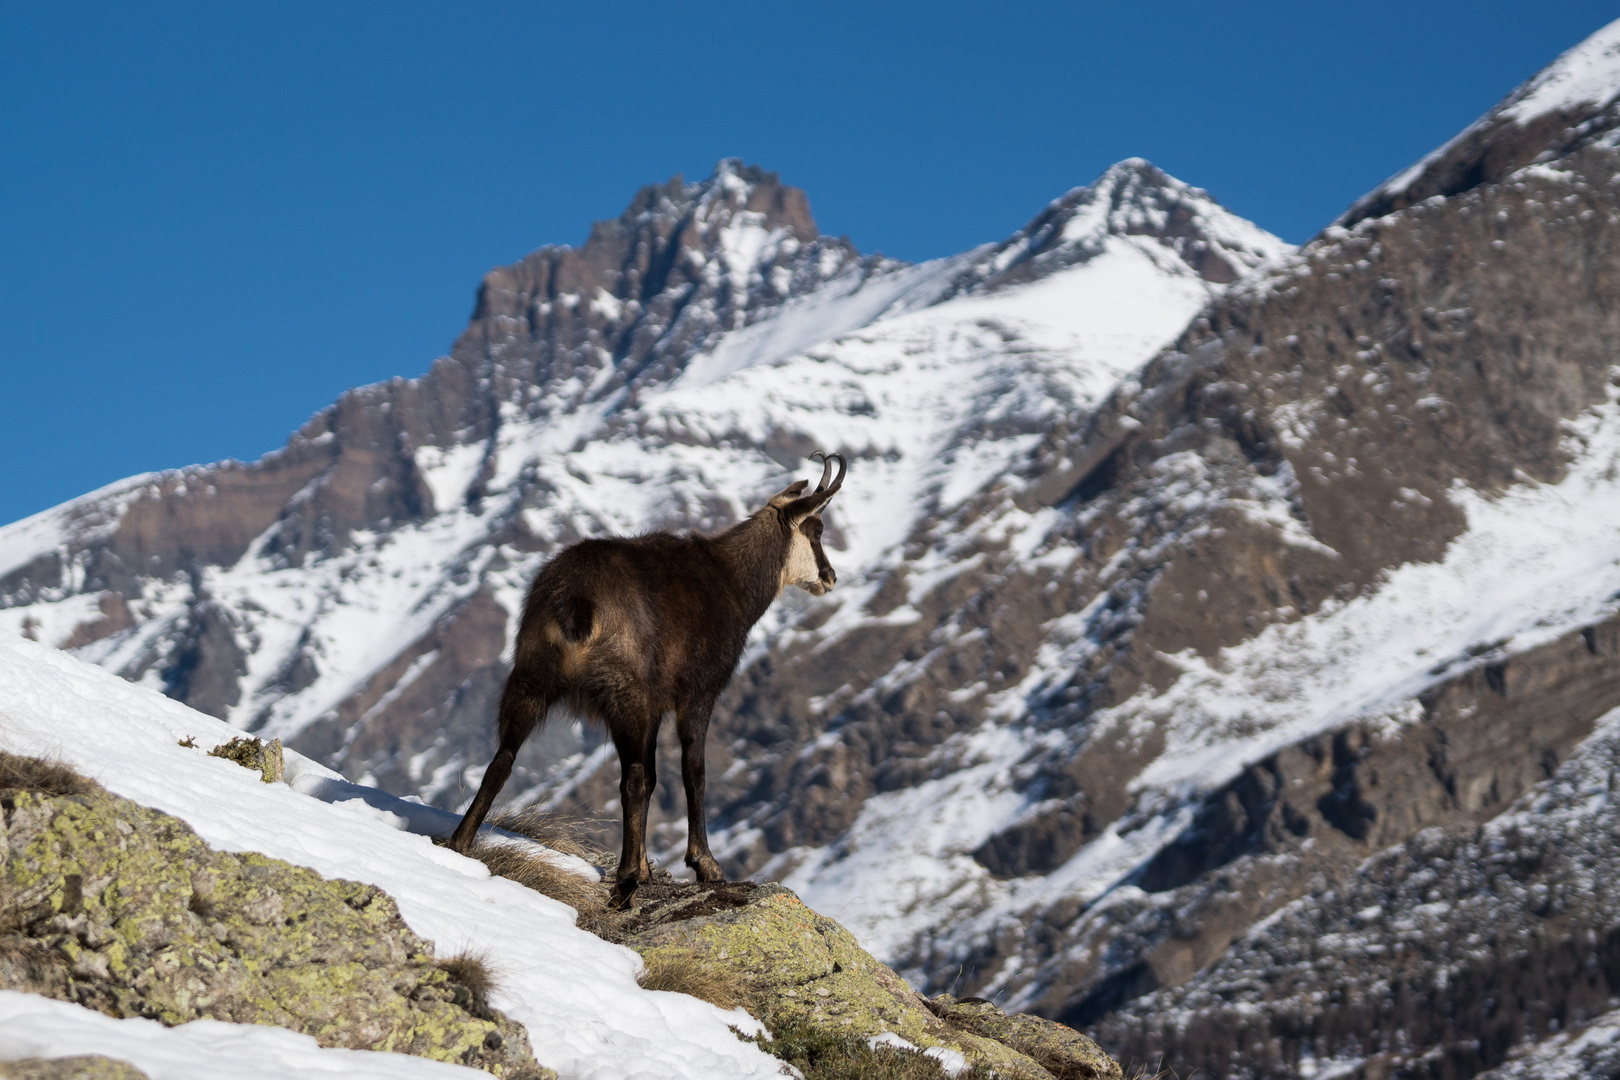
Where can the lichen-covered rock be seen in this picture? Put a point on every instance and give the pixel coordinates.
(264, 758)
(83, 1067)
(807, 969)
(1061, 1050)
(127, 911)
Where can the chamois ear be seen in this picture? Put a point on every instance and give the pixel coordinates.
(801, 508)
(789, 493)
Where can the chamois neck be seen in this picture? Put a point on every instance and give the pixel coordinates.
(755, 551)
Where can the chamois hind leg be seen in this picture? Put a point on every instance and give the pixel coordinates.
(522, 710)
(636, 744)
(692, 724)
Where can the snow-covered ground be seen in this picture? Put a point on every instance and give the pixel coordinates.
(576, 994)
(37, 1027)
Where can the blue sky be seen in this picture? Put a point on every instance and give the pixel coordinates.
(214, 218)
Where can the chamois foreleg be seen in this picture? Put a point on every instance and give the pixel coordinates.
(638, 775)
(523, 707)
(692, 724)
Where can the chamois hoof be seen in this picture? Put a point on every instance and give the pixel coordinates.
(706, 869)
(623, 893)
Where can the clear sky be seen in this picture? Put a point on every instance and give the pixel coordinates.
(214, 218)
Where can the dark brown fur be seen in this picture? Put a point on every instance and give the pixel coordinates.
(626, 629)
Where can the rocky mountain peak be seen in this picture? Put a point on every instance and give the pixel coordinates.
(1569, 104)
(680, 264)
(1132, 198)
(733, 188)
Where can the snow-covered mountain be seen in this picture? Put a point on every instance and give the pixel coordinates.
(1180, 574)
(353, 593)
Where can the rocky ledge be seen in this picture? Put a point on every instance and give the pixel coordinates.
(760, 946)
(127, 911)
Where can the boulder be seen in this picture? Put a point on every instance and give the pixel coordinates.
(800, 968)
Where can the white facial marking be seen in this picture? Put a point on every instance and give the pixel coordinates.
(801, 563)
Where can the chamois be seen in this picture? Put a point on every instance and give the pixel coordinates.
(622, 630)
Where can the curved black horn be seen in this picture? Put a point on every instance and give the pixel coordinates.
(838, 481)
(812, 503)
(826, 468)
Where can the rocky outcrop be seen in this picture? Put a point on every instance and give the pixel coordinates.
(802, 969)
(125, 910)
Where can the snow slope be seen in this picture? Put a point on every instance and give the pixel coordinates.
(576, 994)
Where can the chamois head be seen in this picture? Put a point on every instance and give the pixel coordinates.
(800, 515)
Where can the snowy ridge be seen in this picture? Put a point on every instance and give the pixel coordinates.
(1588, 74)
(1580, 82)
(576, 994)
(83, 519)
(1131, 199)
(39, 1027)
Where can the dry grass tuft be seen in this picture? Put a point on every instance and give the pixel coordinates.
(554, 831)
(24, 962)
(471, 971)
(822, 1054)
(686, 973)
(533, 870)
(19, 773)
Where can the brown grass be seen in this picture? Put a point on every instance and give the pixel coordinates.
(24, 962)
(532, 869)
(822, 1054)
(1062, 1069)
(471, 970)
(19, 773)
(686, 973)
(554, 831)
